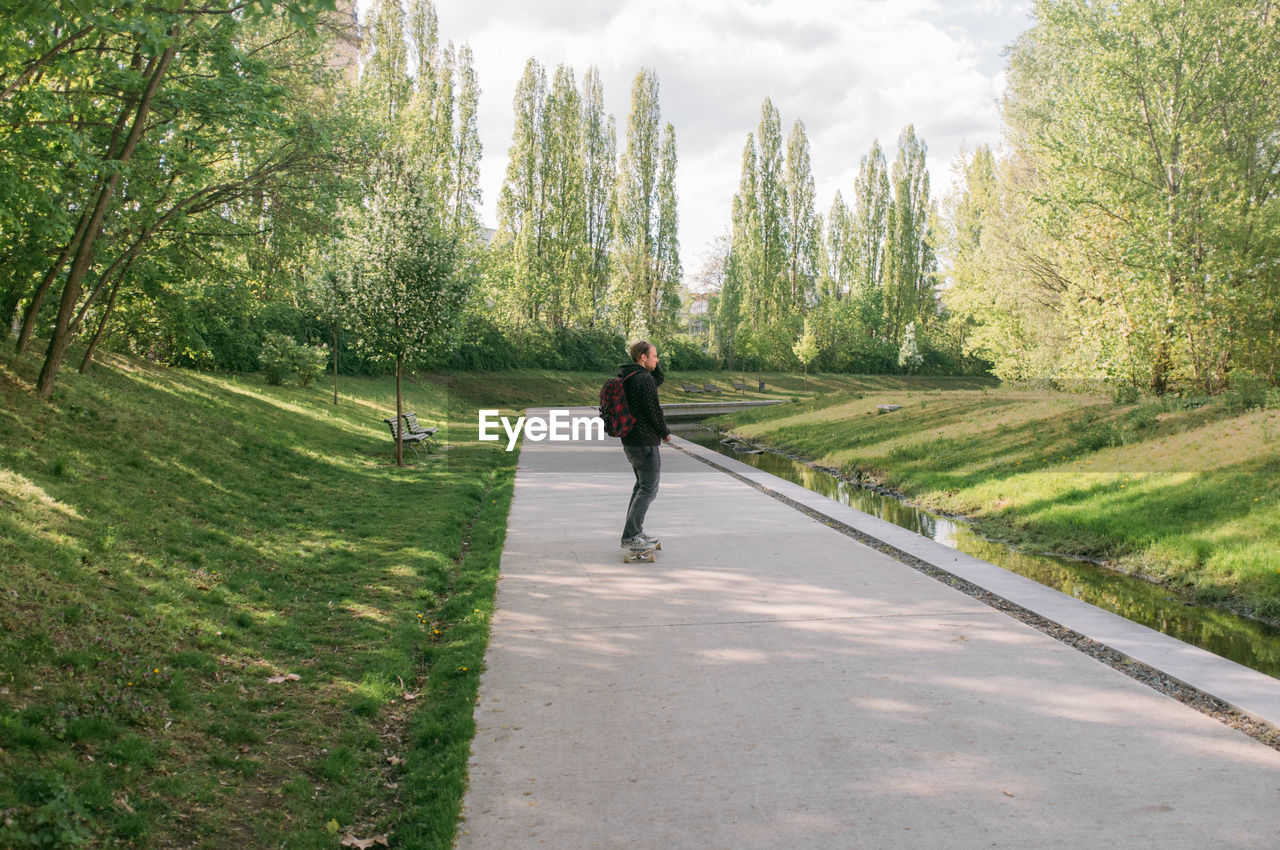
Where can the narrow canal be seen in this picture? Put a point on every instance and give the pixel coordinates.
(1240, 639)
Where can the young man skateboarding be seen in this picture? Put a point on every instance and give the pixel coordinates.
(640, 381)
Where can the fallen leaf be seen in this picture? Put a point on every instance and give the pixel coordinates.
(1007, 794)
(364, 843)
(395, 760)
(123, 802)
(287, 677)
(333, 826)
(409, 697)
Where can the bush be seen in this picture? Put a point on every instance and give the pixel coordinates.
(1247, 392)
(282, 356)
(1125, 394)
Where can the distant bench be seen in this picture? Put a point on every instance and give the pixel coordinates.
(412, 434)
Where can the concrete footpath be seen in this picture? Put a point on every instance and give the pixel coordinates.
(772, 683)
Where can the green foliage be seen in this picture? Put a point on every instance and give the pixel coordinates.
(226, 186)
(1126, 236)
(50, 815)
(1247, 392)
(282, 357)
(1126, 394)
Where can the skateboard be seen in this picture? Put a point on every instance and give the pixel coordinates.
(647, 554)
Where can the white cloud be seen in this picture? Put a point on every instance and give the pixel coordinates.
(851, 70)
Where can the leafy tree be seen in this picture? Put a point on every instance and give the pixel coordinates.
(1147, 139)
(599, 178)
(805, 349)
(521, 205)
(910, 265)
(566, 251)
(804, 225)
(647, 262)
(839, 255)
(909, 357)
(402, 276)
(872, 197)
(123, 141)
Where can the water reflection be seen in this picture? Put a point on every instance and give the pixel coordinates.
(1242, 640)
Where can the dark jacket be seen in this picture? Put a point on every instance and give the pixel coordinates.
(641, 388)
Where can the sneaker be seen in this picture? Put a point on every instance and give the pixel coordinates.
(643, 541)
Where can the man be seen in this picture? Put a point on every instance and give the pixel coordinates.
(640, 381)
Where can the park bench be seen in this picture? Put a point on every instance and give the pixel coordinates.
(739, 386)
(711, 388)
(690, 388)
(411, 419)
(409, 438)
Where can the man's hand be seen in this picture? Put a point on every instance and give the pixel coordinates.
(667, 439)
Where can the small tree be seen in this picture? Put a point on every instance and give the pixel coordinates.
(331, 300)
(405, 292)
(909, 356)
(806, 349)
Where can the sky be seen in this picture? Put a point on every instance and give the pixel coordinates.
(852, 70)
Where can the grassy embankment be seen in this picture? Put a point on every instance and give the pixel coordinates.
(1177, 490)
(172, 543)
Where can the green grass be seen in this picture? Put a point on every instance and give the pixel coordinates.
(170, 542)
(1179, 490)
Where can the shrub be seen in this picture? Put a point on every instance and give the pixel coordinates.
(276, 358)
(1247, 392)
(1125, 394)
(282, 356)
(308, 362)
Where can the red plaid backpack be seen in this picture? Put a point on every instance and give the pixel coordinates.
(617, 417)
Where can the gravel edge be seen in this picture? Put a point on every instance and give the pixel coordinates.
(1201, 701)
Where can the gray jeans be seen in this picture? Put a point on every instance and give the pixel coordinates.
(647, 466)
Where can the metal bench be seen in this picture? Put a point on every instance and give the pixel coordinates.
(408, 437)
(711, 388)
(739, 386)
(691, 388)
(411, 420)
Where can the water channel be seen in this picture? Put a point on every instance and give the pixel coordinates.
(1240, 639)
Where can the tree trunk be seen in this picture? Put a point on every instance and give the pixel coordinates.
(84, 251)
(399, 419)
(335, 365)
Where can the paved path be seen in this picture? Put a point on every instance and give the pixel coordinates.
(772, 683)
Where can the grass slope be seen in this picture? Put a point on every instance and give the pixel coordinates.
(171, 544)
(1180, 490)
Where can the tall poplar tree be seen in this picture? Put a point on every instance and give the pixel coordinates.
(565, 219)
(599, 179)
(871, 199)
(521, 207)
(386, 78)
(771, 200)
(667, 247)
(910, 265)
(840, 258)
(466, 148)
(804, 225)
(641, 295)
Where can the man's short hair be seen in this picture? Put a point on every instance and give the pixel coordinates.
(639, 349)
